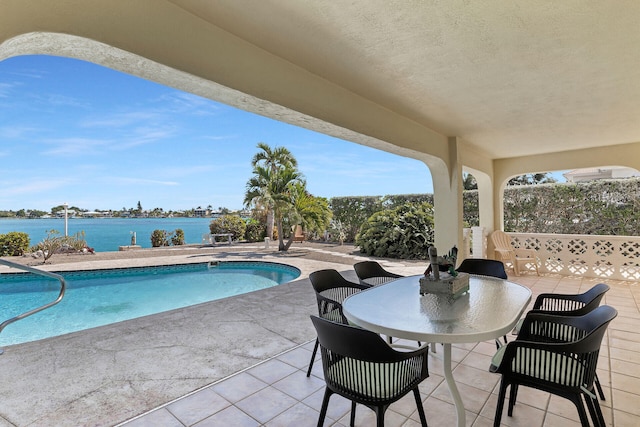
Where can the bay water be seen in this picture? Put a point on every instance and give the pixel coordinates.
(107, 234)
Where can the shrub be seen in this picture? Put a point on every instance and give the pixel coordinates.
(177, 237)
(255, 231)
(228, 224)
(159, 238)
(74, 243)
(14, 243)
(404, 232)
(49, 245)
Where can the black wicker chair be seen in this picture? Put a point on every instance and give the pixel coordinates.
(483, 267)
(361, 367)
(371, 273)
(576, 304)
(331, 290)
(570, 305)
(557, 354)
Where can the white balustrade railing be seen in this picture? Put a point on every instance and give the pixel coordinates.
(607, 257)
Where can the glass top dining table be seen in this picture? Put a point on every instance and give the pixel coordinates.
(489, 310)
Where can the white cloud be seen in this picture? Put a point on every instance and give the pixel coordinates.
(120, 120)
(34, 185)
(143, 181)
(75, 146)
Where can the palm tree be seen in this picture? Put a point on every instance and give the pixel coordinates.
(273, 159)
(272, 188)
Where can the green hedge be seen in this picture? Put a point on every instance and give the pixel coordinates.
(603, 207)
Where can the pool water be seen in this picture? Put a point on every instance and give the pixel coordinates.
(100, 297)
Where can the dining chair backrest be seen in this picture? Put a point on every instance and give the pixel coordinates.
(331, 290)
(371, 273)
(571, 304)
(353, 342)
(556, 327)
(483, 267)
(360, 366)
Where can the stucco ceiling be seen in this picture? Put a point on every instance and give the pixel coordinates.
(518, 77)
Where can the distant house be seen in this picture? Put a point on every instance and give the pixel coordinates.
(97, 214)
(592, 174)
(200, 212)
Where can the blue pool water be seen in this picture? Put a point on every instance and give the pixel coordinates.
(100, 297)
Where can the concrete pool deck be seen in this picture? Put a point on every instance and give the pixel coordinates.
(242, 361)
(107, 375)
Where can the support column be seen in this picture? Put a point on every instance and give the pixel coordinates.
(447, 200)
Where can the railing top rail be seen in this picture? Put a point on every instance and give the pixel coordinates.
(577, 236)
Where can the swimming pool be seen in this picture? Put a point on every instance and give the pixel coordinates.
(100, 297)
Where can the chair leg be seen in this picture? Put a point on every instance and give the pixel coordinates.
(595, 411)
(599, 388)
(325, 404)
(584, 420)
(500, 406)
(352, 421)
(513, 396)
(423, 419)
(313, 357)
(379, 410)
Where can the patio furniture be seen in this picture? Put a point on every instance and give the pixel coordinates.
(361, 367)
(486, 312)
(483, 267)
(371, 273)
(331, 289)
(570, 305)
(519, 259)
(298, 235)
(557, 354)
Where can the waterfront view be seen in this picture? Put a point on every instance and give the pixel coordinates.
(107, 234)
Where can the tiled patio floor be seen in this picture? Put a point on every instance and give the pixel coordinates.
(277, 392)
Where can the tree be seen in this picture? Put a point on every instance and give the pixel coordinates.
(531, 179)
(469, 182)
(273, 159)
(310, 212)
(273, 191)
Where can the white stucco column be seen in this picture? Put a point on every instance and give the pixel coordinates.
(447, 200)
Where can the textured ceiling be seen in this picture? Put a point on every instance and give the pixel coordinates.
(516, 78)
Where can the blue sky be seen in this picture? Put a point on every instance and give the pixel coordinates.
(76, 132)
